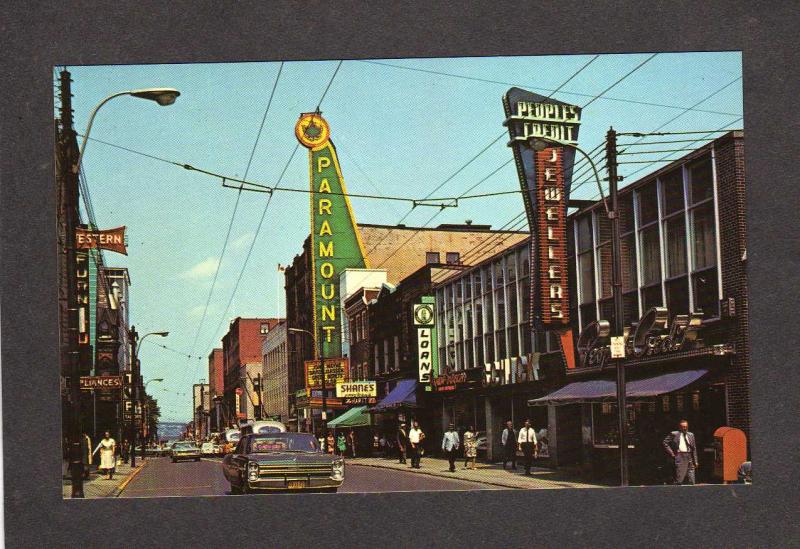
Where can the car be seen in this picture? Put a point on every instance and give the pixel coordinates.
(185, 450)
(207, 449)
(262, 426)
(282, 461)
(481, 441)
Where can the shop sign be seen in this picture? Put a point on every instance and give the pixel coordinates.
(335, 243)
(651, 335)
(499, 372)
(427, 342)
(425, 354)
(545, 177)
(350, 401)
(82, 296)
(101, 382)
(457, 380)
(357, 389)
(336, 371)
(108, 239)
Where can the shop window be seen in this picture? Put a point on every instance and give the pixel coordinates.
(672, 188)
(701, 180)
(678, 296)
(651, 297)
(665, 403)
(628, 257)
(706, 296)
(648, 204)
(604, 254)
(650, 255)
(626, 213)
(586, 271)
(703, 237)
(453, 258)
(584, 232)
(431, 258)
(630, 307)
(675, 229)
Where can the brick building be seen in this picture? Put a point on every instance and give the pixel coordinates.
(397, 250)
(242, 363)
(216, 387)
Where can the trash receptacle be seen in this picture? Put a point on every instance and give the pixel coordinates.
(730, 451)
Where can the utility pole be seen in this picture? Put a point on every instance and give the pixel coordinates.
(321, 353)
(69, 180)
(201, 423)
(616, 284)
(134, 338)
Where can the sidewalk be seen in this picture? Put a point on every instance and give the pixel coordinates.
(98, 487)
(486, 473)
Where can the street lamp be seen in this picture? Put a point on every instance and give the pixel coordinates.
(541, 143)
(322, 375)
(134, 339)
(146, 418)
(162, 96)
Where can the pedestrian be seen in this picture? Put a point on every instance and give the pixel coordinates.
(527, 443)
(509, 440)
(123, 450)
(470, 446)
(382, 445)
(680, 445)
(415, 439)
(352, 442)
(376, 445)
(450, 443)
(330, 444)
(402, 442)
(86, 454)
(341, 444)
(107, 448)
(745, 472)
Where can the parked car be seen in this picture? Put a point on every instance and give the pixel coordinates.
(207, 449)
(185, 450)
(282, 461)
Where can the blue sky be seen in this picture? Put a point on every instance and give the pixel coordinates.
(398, 132)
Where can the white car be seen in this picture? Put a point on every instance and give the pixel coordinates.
(207, 449)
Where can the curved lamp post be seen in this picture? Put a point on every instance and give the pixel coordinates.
(134, 338)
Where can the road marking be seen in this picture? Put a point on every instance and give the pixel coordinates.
(169, 488)
(127, 481)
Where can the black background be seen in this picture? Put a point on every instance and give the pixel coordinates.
(37, 36)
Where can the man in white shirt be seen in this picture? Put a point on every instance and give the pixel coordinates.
(450, 443)
(415, 438)
(681, 446)
(527, 443)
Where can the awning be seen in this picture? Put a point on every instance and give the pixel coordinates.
(404, 395)
(598, 390)
(354, 417)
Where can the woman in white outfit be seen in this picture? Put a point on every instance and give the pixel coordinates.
(107, 447)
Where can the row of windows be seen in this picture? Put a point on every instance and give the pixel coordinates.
(668, 248)
(386, 355)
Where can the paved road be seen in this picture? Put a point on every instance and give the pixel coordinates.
(161, 477)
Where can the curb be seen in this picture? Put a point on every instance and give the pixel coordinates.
(440, 475)
(124, 484)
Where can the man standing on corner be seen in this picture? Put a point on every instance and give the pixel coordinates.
(415, 438)
(527, 443)
(509, 440)
(402, 442)
(450, 443)
(680, 445)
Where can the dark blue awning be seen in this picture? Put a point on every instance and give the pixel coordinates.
(404, 395)
(598, 390)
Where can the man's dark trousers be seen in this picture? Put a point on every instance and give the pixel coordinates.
(451, 458)
(684, 467)
(414, 455)
(527, 450)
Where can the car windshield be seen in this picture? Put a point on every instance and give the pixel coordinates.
(284, 442)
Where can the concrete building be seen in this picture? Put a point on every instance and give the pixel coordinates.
(275, 374)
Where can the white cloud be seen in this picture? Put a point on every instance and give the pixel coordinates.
(204, 269)
(242, 241)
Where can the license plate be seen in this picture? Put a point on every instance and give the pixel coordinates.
(296, 484)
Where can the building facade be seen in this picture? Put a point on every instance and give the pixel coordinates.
(275, 384)
(216, 387)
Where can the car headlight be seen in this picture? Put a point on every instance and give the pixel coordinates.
(252, 470)
(337, 469)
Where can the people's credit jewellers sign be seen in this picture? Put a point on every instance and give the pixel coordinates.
(335, 241)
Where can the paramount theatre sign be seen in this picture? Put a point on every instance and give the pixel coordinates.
(335, 242)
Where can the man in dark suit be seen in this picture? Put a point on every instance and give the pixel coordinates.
(681, 446)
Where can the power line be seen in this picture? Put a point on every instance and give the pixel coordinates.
(173, 350)
(540, 89)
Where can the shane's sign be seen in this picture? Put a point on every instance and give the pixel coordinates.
(543, 133)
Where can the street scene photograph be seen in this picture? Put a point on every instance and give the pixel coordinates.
(402, 275)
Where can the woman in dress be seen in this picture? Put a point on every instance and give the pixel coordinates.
(341, 444)
(470, 447)
(107, 448)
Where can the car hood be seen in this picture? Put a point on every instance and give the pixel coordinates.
(290, 458)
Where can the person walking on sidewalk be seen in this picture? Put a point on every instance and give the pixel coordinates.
(450, 443)
(415, 439)
(527, 443)
(680, 445)
(402, 442)
(107, 448)
(470, 447)
(341, 444)
(509, 440)
(352, 442)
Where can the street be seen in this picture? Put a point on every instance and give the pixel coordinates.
(161, 477)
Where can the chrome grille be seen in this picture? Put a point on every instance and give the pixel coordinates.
(292, 470)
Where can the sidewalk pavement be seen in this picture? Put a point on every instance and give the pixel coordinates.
(486, 473)
(98, 487)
